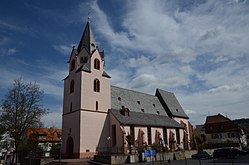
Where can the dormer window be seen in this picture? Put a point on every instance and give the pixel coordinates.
(125, 112)
(96, 64)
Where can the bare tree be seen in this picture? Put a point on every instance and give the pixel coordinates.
(21, 110)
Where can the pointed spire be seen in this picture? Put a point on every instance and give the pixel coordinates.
(87, 40)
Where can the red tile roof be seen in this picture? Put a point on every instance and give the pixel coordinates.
(44, 134)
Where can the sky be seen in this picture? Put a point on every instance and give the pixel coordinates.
(197, 49)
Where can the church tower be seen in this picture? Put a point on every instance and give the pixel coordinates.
(85, 126)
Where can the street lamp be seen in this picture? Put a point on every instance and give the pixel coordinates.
(109, 144)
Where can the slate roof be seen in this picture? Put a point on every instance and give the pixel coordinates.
(145, 119)
(135, 101)
(171, 104)
(87, 40)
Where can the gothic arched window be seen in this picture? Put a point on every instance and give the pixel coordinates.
(72, 65)
(72, 86)
(96, 64)
(96, 85)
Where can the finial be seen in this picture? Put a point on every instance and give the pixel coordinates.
(88, 16)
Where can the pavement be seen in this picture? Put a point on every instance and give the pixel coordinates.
(241, 160)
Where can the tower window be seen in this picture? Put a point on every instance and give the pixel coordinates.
(83, 60)
(96, 85)
(72, 86)
(72, 65)
(96, 64)
(138, 102)
(71, 107)
(97, 105)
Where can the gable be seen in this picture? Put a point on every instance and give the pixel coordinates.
(216, 119)
(170, 104)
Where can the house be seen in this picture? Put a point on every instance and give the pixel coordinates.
(244, 124)
(7, 148)
(99, 118)
(220, 131)
(44, 137)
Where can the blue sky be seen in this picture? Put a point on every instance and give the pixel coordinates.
(195, 48)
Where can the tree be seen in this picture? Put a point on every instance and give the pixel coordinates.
(21, 110)
(199, 140)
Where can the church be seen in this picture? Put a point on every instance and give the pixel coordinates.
(99, 118)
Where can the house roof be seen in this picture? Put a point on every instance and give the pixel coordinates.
(135, 101)
(145, 119)
(216, 119)
(171, 104)
(49, 134)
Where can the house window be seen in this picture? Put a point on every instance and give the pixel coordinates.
(96, 64)
(97, 105)
(149, 134)
(72, 65)
(138, 102)
(114, 136)
(72, 86)
(142, 110)
(216, 136)
(96, 85)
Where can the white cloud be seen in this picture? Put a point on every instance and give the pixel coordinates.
(7, 51)
(52, 119)
(202, 47)
(63, 49)
(226, 88)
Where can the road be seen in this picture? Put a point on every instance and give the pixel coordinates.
(240, 160)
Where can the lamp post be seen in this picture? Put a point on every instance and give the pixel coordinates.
(109, 144)
(60, 153)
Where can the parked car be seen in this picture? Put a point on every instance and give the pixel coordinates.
(201, 155)
(242, 152)
(225, 153)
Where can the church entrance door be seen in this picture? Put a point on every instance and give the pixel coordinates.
(70, 147)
